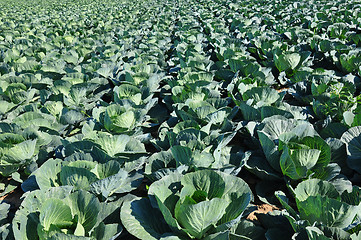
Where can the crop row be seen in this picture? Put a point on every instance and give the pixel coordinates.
(176, 119)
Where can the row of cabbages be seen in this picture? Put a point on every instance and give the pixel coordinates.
(146, 119)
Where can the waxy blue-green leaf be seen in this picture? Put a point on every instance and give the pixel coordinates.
(198, 218)
(55, 212)
(80, 178)
(86, 206)
(352, 139)
(287, 61)
(142, 220)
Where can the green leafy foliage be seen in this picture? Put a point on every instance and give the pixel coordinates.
(157, 115)
(188, 203)
(57, 211)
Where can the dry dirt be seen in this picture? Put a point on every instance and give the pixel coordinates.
(13, 197)
(263, 208)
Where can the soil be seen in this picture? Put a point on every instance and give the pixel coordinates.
(263, 208)
(13, 198)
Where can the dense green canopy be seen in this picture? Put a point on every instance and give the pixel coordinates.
(175, 119)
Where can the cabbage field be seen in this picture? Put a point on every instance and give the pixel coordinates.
(180, 119)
